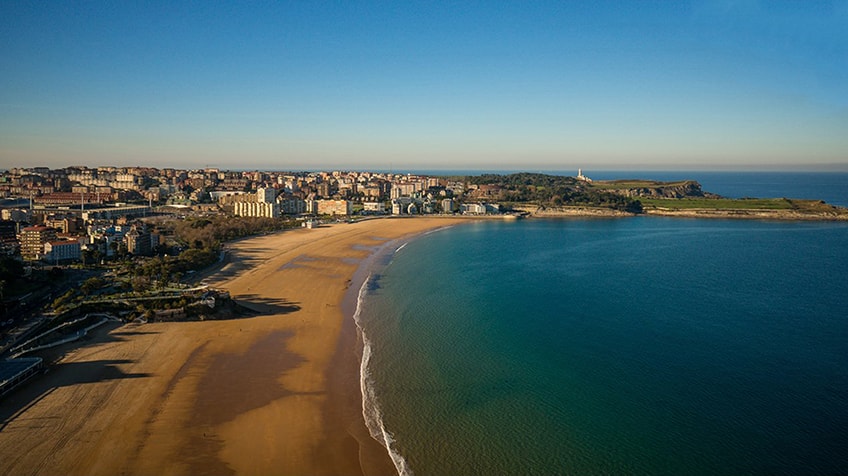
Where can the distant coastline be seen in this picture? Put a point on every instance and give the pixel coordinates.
(838, 214)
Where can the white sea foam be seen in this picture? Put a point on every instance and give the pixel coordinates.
(400, 247)
(370, 408)
(434, 230)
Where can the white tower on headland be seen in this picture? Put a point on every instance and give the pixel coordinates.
(582, 177)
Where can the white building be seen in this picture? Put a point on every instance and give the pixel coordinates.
(254, 209)
(266, 195)
(376, 207)
(61, 251)
(400, 205)
(448, 205)
(582, 177)
(472, 209)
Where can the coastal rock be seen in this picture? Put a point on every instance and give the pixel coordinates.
(837, 214)
(578, 212)
(689, 188)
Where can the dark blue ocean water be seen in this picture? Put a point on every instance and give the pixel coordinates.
(625, 346)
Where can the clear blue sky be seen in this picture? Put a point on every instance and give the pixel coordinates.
(425, 85)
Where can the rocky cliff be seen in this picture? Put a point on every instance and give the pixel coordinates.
(689, 188)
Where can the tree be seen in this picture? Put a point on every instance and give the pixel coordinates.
(140, 284)
(90, 285)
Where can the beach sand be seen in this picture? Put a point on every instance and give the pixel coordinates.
(277, 393)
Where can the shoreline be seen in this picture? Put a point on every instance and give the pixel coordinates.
(750, 214)
(374, 457)
(837, 215)
(369, 408)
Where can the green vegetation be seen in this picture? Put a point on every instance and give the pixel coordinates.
(551, 191)
(631, 184)
(809, 208)
(210, 232)
(720, 203)
(155, 282)
(558, 191)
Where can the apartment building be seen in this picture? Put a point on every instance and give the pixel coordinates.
(33, 239)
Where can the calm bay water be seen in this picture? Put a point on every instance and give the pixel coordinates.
(640, 346)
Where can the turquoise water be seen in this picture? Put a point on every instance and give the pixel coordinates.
(625, 346)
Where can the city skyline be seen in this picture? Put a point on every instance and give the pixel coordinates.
(509, 86)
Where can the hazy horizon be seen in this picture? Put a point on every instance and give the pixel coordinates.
(837, 169)
(705, 85)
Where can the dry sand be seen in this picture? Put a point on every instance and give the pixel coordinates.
(273, 394)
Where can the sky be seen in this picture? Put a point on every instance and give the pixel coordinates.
(526, 85)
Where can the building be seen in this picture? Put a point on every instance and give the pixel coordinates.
(254, 209)
(266, 195)
(16, 214)
(69, 198)
(291, 205)
(8, 231)
(334, 207)
(62, 251)
(374, 207)
(138, 241)
(64, 224)
(110, 213)
(448, 205)
(405, 189)
(400, 205)
(33, 239)
(472, 209)
(226, 197)
(8, 237)
(427, 206)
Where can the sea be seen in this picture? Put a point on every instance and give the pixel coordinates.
(644, 345)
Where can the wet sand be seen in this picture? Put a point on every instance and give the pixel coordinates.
(277, 393)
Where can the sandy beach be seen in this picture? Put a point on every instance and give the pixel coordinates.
(277, 393)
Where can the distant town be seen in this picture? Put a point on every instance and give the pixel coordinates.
(91, 215)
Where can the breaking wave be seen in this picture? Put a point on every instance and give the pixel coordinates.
(370, 407)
